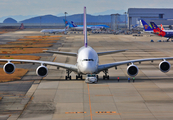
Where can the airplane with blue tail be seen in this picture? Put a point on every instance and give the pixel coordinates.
(89, 27)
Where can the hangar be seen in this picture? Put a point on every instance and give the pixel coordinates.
(158, 15)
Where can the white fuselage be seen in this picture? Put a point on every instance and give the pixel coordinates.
(87, 60)
(52, 30)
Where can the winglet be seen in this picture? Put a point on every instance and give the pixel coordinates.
(85, 28)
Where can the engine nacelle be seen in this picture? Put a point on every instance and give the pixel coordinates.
(164, 66)
(132, 70)
(42, 71)
(9, 68)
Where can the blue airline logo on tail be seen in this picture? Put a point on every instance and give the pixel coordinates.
(146, 26)
(74, 25)
(67, 23)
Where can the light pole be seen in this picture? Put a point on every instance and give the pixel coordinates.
(65, 17)
(125, 19)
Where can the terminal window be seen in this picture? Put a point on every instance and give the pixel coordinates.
(160, 15)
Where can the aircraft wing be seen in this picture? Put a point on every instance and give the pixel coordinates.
(110, 65)
(62, 65)
(62, 53)
(110, 52)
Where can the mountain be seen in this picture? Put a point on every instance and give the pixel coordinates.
(9, 20)
(16, 17)
(76, 18)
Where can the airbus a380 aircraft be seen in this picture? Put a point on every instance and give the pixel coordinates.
(87, 62)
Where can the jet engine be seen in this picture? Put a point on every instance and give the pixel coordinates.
(9, 68)
(42, 71)
(132, 70)
(164, 66)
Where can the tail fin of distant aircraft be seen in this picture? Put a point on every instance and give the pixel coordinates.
(157, 30)
(67, 23)
(155, 27)
(146, 26)
(85, 28)
(67, 27)
(74, 25)
(21, 26)
(162, 27)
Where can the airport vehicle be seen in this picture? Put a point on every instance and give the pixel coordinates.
(89, 27)
(87, 62)
(166, 33)
(55, 31)
(91, 78)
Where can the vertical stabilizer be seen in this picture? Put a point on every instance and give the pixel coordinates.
(21, 26)
(85, 28)
(146, 26)
(162, 27)
(157, 30)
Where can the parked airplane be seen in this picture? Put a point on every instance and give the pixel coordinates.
(166, 33)
(54, 31)
(87, 62)
(89, 27)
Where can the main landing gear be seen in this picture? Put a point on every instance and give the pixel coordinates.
(106, 76)
(68, 75)
(79, 76)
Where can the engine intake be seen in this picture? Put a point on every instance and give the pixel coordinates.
(42, 71)
(9, 68)
(132, 70)
(164, 66)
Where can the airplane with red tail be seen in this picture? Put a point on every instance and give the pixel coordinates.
(166, 33)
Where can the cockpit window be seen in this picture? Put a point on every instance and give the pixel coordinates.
(87, 60)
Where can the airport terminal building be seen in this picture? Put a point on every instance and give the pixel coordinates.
(158, 15)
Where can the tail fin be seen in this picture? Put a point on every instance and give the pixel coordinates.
(85, 27)
(154, 26)
(67, 27)
(146, 26)
(74, 25)
(157, 30)
(162, 27)
(21, 26)
(67, 23)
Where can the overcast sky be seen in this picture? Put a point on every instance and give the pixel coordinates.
(43, 7)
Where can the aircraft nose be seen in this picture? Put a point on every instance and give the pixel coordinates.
(89, 67)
